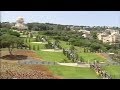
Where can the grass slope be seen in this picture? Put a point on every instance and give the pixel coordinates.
(73, 72)
(52, 56)
(91, 57)
(114, 71)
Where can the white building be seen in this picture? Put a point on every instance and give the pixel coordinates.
(86, 34)
(111, 36)
(84, 31)
(20, 24)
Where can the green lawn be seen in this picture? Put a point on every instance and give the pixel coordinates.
(31, 40)
(79, 49)
(51, 40)
(91, 57)
(52, 56)
(41, 46)
(67, 46)
(114, 71)
(56, 56)
(64, 45)
(73, 72)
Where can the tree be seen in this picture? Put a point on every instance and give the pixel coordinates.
(71, 40)
(108, 47)
(64, 51)
(20, 43)
(37, 39)
(13, 33)
(77, 57)
(29, 39)
(8, 31)
(81, 59)
(10, 42)
(38, 48)
(72, 48)
(84, 50)
(6, 25)
(103, 48)
(57, 43)
(95, 47)
(31, 35)
(26, 40)
(33, 47)
(94, 35)
(29, 47)
(68, 55)
(24, 32)
(30, 26)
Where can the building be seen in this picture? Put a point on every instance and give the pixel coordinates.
(86, 34)
(109, 36)
(20, 24)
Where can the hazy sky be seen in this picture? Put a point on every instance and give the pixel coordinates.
(88, 18)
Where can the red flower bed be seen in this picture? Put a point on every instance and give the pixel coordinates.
(13, 70)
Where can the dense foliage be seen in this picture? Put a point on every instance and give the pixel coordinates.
(10, 39)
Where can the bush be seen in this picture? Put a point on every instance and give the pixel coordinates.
(38, 48)
(14, 33)
(65, 61)
(29, 47)
(81, 59)
(26, 40)
(33, 47)
(29, 39)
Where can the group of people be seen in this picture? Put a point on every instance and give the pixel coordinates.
(99, 71)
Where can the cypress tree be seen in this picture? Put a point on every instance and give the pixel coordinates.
(26, 40)
(38, 48)
(33, 47)
(29, 39)
(29, 47)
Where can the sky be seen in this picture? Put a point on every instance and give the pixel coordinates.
(85, 18)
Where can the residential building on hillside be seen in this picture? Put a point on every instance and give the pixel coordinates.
(109, 35)
(86, 33)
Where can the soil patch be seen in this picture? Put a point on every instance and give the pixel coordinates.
(14, 57)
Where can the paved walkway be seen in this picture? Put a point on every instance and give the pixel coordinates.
(40, 42)
(74, 64)
(39, 62)
(51, 50)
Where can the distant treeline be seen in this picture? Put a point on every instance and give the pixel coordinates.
(50, 26)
